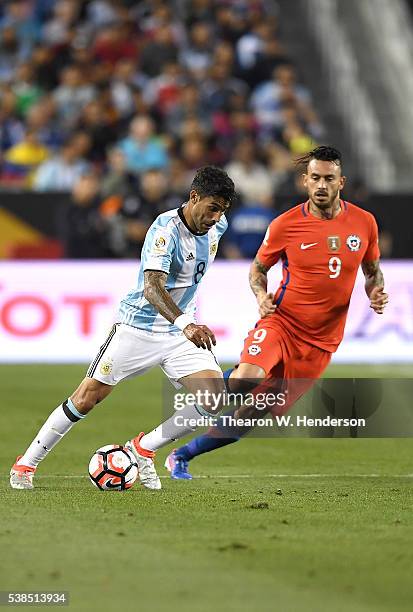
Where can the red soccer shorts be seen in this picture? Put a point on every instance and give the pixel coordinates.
(272, 346)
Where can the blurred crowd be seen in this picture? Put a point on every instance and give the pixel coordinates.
(118, 102)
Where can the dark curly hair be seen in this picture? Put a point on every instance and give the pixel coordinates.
(213, 181)
(323, 153)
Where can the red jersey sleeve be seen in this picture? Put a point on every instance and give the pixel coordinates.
(373, 252)
(274, 243)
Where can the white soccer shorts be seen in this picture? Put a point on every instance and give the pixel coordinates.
(129, 352)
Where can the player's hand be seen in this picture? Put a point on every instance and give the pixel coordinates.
(200, 335)
(266, 304)
(378, 299)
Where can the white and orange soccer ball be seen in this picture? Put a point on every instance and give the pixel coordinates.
(113, 468)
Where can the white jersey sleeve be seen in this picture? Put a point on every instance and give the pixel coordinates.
(158, 248)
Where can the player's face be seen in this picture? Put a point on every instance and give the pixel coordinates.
(323, 182)
(206, 211)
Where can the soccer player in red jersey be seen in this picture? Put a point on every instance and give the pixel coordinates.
(321, 244)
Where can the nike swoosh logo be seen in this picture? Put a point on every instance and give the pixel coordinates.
(307, 246)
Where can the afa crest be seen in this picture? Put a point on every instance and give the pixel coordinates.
(106, 367)
(353, 242)
(213, 248)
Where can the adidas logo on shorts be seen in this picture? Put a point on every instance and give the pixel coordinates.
(190, 257)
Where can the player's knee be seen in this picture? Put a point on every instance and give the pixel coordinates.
(215, 384)
(248, 370)
(245, 377)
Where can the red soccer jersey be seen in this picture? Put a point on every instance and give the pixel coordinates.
(320, 260)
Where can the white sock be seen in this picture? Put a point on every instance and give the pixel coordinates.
(173, 428)
(57, 425)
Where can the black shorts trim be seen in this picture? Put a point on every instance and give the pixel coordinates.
(93, 365)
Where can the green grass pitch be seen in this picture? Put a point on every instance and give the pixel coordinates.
(273, 524)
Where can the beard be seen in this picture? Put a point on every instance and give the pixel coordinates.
(323, 201)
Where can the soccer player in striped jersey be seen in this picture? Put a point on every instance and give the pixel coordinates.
(156, 327)
(321, 243)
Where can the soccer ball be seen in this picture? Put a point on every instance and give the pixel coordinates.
(113, 468)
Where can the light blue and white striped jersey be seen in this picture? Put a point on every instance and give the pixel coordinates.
(170, 246)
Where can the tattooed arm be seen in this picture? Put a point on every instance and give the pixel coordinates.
(373, 274)
(375, 285)
(258, 284)
(157, 295)
(155, 292)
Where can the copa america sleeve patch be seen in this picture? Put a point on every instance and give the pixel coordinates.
(159, 244)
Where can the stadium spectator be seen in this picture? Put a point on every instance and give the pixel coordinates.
(101, 13)
(9, 53)
(141, 104)
(94, 123)
(127, 220)
(154, 195)
(280, 163)
(259, 52)
(197, 56)
(159, 51)
(293, 112)
(296, 139)
(190, 106)
(62, 170)
(163, 92)
(143, 150)
(115, 42)
(18, 15)
(246, 229)
(43, 10)
(138, 212)
(230, 23)
(57, 31)
(179, 180)
(46, 66)
(198, 10)
(193, 128)
(41, 117)
(162, 13)
(224, 54)
(82, 228)
(251, 44)
(220, 87)
(252, 178)
(123, 85)
(129, 210)
(291, 188)
(117, 180)
(194, 153)
(231, 127)
(22, 159)
(27, 92)
(11, 127)
(267, 98)
(72, 95)
(106, 101)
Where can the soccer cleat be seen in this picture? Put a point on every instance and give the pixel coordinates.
(146, 467)
(178, 466)
(21, 476)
